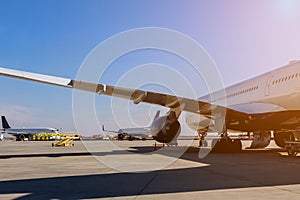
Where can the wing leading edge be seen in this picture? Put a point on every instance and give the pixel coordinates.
(137, 96)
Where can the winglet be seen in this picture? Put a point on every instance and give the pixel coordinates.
(157, 115)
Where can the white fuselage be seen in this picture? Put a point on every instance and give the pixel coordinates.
(278, 90)
(30, 131)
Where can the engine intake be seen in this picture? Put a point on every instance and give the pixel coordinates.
(166, 129)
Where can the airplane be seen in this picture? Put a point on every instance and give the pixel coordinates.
(134, 133)
(23, 133)
(260, 105)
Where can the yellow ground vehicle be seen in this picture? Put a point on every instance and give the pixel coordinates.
(74, 136)
(64, 143)
(46, 136)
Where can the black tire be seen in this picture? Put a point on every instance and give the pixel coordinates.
(120, 136)
(226, 146)
(203, 143)
(291, 151)
(200, 143)
(280, 138)
(131, 138)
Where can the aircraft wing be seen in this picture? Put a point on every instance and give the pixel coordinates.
(137, 96)
(14, 133)
(111, 131)
(130, 131)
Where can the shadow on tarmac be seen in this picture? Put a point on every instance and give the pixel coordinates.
(250, 168)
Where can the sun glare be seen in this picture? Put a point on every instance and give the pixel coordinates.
(289, 8)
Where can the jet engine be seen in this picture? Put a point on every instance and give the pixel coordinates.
(20, 137)
(261, 140)
(121, 136)
(166, 129)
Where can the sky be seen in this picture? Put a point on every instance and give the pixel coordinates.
(244, 38)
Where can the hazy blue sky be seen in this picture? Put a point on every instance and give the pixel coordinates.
(243, 37)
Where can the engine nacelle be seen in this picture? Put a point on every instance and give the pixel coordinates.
(261, 140)
(20, 137)
(121, 136)
(165, 129)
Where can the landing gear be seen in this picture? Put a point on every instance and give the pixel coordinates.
(281, 137)
(203, 143)
(291, 151)
(292, 147)
(201, 136)
(131, 138)
(226, 145)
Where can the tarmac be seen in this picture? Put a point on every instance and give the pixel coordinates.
(36, 170)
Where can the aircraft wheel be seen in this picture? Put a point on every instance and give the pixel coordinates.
(291, 151)
(120, 136)
(200, 143)
(280, 138)
(203, 143)
(226, 146)
(131, 138)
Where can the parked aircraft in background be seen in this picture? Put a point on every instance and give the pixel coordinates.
(23, 133)
(269, 102)
(134, 133)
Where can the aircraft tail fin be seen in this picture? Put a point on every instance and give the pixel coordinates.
(4, 122)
